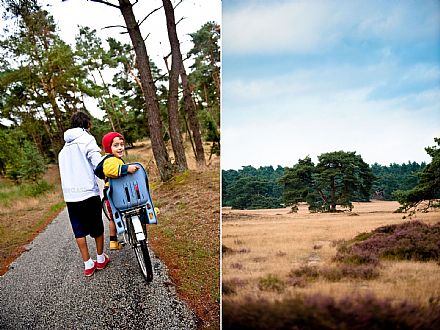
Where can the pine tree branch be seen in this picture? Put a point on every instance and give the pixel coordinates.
(178, 4)
(180, 20)
(113, 26)
(149, 14)
(160, 78)
(105, 3)
(131, 71)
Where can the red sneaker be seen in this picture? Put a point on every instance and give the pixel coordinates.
(101, 265)
(90, 271)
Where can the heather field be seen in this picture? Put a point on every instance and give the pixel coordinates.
(370, 256)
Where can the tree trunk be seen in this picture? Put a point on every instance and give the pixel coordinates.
(192, 116)
(49, 89)
(51, 94)
(149, 90)
(173, 94)
(216, 76)
(177, 62)
(333, 195)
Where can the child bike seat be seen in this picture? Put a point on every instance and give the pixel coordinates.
(130, 192)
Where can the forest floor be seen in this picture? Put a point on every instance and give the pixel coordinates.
(186, 239)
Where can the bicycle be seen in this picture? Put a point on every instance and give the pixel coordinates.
(132, 209)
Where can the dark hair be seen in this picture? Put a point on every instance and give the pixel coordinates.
(80, 119)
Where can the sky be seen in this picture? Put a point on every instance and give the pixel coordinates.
(301, 78)
(71, 13)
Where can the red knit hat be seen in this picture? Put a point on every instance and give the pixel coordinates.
(107, 141)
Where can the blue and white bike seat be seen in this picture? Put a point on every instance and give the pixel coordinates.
(129, 193)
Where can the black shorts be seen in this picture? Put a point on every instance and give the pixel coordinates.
(86, 217)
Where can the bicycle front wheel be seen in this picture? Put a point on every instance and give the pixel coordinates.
(141, 250)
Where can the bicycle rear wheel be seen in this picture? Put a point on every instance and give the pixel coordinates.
(141, 251)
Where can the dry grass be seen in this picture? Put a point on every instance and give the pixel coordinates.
(276, 242)
(23, 219)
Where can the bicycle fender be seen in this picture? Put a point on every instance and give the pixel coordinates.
(138, 228)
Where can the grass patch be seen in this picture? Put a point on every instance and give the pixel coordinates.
(11, 192)
(362, 272)
(57, 207)
(237, 265)
(300, 277)
(230, 286)
(181, 178)
(271, 283)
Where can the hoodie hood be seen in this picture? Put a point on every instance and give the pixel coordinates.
(74, 133)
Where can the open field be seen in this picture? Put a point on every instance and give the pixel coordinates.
(257, 243)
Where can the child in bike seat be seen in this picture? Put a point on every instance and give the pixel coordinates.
(113, 166)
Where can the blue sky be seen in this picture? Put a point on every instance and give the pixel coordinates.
(307, 77)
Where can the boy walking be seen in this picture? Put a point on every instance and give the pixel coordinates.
(77, 161)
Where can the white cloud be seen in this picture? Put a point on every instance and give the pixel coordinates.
(342, 83)
(277, 120)
(422, 73)
(273, 28)
(403, 19)
(315, 26)
(378, 130)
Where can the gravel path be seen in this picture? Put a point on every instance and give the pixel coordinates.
(45, 289)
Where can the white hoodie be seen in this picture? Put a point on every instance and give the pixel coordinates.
(77, 161)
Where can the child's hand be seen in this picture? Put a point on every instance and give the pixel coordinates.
(132, 168)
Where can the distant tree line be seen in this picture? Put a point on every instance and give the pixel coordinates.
(251, 188)
(43, 81)
(339, 178)
(394, 177)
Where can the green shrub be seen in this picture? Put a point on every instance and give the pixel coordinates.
(363, 272)
(305, 271)
(271, 283)
(36, 189)
(24, 163)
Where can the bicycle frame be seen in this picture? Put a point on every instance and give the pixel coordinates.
(130, 199)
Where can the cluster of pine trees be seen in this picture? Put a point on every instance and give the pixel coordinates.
(251, 188)
(43, 80)
(394, 177)
(339, 178)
